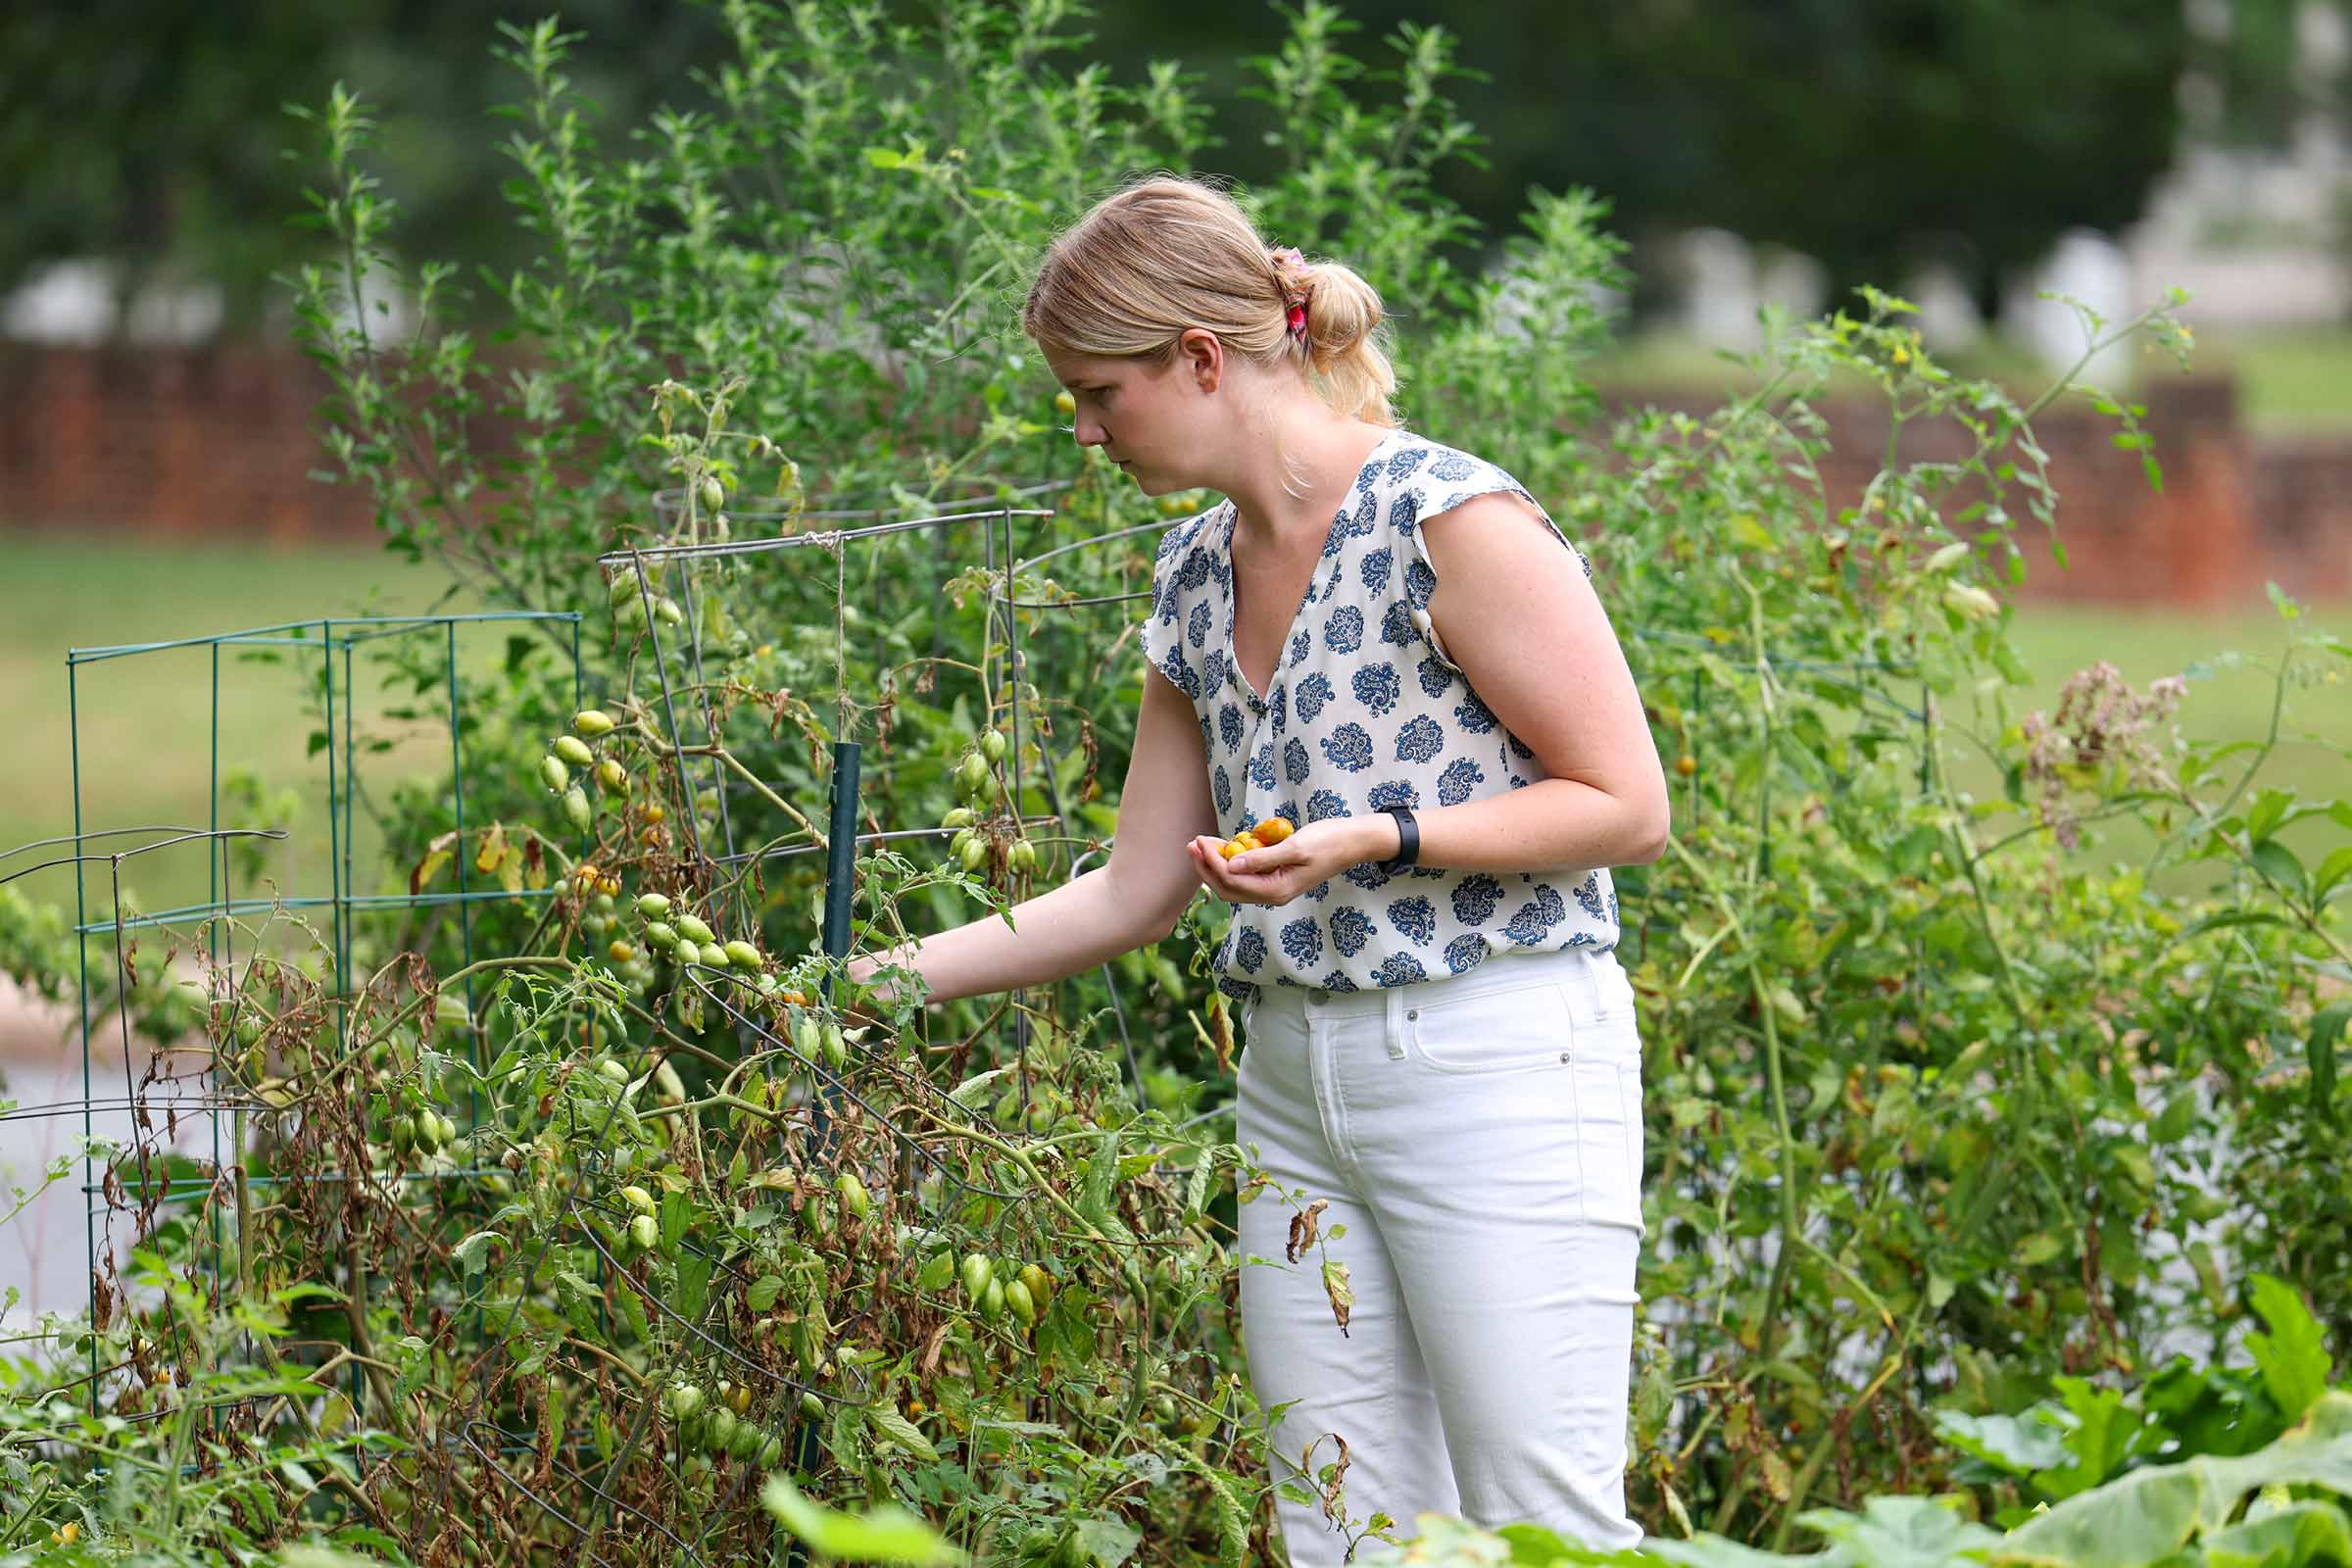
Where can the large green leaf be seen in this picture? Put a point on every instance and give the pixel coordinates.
(1107, 1542)
(1706, 1550)
(2099, 1441)
(2293, 1356)
(887, 1534)
(1903, 1533)
(2316, 1453)
(2285, 1537)
(2146, 1516)
(2016, 1443)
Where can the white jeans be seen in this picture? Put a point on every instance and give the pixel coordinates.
(1480, 1138)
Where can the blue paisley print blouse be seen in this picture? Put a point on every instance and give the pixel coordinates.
(1365, 711)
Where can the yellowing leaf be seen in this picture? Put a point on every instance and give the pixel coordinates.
(427, 869)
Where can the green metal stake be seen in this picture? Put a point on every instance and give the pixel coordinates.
(81, 962)
(841, 863)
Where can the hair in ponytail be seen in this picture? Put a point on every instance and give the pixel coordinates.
(1168, 254)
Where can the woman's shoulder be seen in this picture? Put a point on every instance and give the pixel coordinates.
(1436, 467)
(1188, 536)
(1191, 557)
(1440, 478)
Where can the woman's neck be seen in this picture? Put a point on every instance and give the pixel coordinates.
(1324, 450)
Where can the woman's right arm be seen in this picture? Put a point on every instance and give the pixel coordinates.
(1130, 901)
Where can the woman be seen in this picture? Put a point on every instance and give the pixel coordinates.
(1386, 643)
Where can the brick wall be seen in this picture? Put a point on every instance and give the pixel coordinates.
(2234, 512)
(221, 440)
(213, 440)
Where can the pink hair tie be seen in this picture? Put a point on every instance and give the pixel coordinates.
(1288, 264)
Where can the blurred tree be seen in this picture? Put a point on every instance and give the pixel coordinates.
(150, 133)
(1871, 133)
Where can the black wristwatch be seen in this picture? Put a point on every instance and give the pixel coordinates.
(1408, 840)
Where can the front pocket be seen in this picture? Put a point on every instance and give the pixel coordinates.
(1497, 1031)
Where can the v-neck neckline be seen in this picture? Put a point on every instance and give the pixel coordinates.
(1233, 518)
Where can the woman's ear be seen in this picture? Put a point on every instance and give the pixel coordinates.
(1202, 356)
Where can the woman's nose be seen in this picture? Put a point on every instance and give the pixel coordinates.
(1089, 431)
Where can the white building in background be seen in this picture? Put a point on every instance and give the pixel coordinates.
(79, 303)
(2257, 237)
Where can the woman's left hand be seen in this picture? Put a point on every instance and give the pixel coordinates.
(1276, 874)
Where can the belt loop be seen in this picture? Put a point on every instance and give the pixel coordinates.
(1396, 1022)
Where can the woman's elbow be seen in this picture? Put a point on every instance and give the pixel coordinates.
(1657, 823)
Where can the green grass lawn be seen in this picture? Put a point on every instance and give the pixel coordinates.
(146, 736)
(2228, 659)
(146, 722)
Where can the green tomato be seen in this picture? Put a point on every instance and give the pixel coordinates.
(577, 808)
(853, 1193)
(592, 722)
(557, 776)
(1039, 1283)
(692, 928)
(574, 750)
(978, 1274)
(652, 906)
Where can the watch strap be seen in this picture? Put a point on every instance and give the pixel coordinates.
(1408, 840)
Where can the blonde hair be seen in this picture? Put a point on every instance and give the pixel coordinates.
(1168, 254)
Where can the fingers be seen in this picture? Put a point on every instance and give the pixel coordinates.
(1250, 877)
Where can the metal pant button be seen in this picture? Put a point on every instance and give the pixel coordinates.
(1318, 997)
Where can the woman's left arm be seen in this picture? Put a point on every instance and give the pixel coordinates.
(1516, 613)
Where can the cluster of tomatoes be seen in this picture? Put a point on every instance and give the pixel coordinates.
(981, 829)
(1273, 830)
(571, 751)
(994, 1288)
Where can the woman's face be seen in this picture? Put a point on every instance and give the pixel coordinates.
(1162, 425)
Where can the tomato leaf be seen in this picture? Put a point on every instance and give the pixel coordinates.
(888, 1533)
(2292, 1357)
